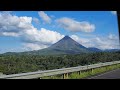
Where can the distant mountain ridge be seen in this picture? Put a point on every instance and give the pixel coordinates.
(64, 46)
(95, 49)
(111, 50)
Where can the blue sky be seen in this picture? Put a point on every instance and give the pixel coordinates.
(34, 30)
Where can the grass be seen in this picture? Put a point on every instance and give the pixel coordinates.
(96, 71)
(84, 74)
(53, 77)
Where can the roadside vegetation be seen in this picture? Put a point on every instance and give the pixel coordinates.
(84, 74)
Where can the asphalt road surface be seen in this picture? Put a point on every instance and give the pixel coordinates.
(114, 74)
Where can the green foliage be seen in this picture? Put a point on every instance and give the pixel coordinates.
(53, 77)
(84, 74)
(87, 73)
(19, 63)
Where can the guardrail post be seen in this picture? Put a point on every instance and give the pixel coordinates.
(65, 76)
(92, 70)
(79, 72)
(87, 66)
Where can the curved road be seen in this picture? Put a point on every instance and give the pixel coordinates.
(114, 74)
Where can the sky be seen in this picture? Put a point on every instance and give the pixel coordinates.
(34, 30)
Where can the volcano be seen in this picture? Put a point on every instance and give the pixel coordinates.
(68, 45)
(64, 46)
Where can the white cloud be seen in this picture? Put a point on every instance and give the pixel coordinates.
(108, 42)
(45, 17)
(36, 20)
(83, 41)
(114, 12)
(11, 25)
(7, 12)
(26, 19)
(40, 38)
(52, 16)
(75, 26)
(43, 36)
(10, 34)
(34, 46)
(80, 40)
(112, 37)
(34, 39)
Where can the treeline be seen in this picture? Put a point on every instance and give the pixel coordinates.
(12, 64)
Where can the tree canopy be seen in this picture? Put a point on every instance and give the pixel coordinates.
(12, 64)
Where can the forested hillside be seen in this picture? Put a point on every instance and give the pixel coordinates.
(11, 64)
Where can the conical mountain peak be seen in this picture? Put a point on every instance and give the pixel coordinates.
(66, 45)
(66, 37)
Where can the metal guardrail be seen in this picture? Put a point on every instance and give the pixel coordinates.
(39, 74)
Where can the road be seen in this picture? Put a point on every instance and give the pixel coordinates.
(114, 74)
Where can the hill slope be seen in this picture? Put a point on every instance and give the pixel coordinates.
(64, 46)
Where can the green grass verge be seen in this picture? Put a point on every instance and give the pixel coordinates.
(85, 74)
